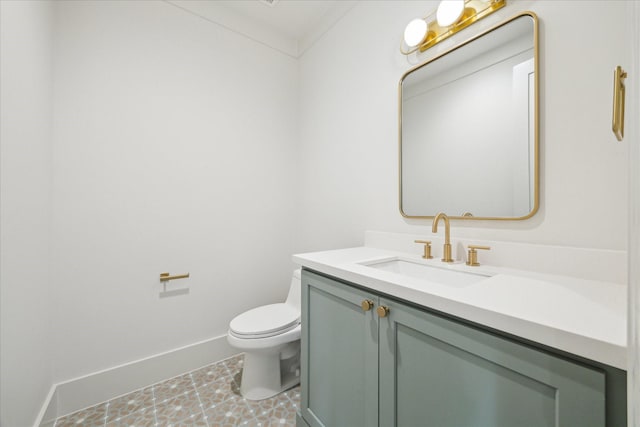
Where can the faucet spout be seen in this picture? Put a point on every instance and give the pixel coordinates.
(446, 256)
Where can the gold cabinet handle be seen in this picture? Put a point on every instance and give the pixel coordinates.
(366, 305)
(383, 311)
(618, 102)
(472, 255)
(427, 248)
(165, 277)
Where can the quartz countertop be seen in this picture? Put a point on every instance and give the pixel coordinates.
(583, 317)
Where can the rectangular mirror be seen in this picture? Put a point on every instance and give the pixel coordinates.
(469, 128)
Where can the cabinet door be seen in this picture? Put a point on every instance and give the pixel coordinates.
(438, 372)
(339, 363)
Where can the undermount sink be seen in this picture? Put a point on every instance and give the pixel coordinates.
(415, 269)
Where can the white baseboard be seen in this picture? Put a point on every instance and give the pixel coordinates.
(83, 392)
(49, 411)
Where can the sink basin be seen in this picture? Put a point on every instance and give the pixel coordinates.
(431, 273)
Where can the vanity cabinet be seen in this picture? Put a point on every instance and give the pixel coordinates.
(339, 355)
(414, 367)
(438, 372)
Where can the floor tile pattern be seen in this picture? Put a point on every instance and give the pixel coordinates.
(207, 397)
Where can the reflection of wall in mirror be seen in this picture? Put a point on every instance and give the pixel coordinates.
(524, 118)
(485, 172)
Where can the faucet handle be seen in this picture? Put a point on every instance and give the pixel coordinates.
(427, 248)
(472, 256)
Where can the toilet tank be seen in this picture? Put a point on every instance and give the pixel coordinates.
(294, 297)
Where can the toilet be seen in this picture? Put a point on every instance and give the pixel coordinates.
(269, 336)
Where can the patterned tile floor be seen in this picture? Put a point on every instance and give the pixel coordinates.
(208, 397)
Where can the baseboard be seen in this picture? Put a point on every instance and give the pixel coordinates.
(49, 412)
(79, 393)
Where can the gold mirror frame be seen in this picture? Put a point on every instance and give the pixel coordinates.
(536, 131)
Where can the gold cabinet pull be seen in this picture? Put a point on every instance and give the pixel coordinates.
(366, 305)
(383, 311)
(618, 102)
(165, 277)
(472, 255)
(427, 248)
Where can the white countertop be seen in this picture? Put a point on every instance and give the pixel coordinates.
(582, 317)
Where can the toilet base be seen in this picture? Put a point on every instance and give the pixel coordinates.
(268, 372)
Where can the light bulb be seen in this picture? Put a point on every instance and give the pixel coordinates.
(449, 11)
(415, 32)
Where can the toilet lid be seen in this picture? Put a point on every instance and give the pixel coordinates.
(265, 321)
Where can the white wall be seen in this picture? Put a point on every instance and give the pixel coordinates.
(348, 128)
(632, 135)
(173, 151)
(25, 209)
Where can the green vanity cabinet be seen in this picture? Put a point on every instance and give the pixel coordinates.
(339, 359)
(438, 372)
(416, 368)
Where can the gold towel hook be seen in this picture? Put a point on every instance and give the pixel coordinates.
(618, 102)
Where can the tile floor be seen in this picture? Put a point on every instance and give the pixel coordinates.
(208, 397)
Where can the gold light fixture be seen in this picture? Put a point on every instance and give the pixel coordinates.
(450, 17)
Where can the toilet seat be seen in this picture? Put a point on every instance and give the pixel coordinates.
(265, 321)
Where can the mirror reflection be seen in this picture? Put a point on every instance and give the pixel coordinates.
(468, 132)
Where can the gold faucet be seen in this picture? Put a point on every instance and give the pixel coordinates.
(447, 235)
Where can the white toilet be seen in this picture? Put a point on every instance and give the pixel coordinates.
(269, 336)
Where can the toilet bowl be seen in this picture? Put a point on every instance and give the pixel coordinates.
(269, 336)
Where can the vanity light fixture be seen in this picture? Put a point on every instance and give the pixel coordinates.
(450, 17)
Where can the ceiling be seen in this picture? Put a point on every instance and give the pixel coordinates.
(290, 26)
(293, 18)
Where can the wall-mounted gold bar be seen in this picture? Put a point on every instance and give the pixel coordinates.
(618, 102)
(165, 277)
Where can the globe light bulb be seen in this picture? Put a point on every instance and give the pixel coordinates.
(415, 32)
(449, 12)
